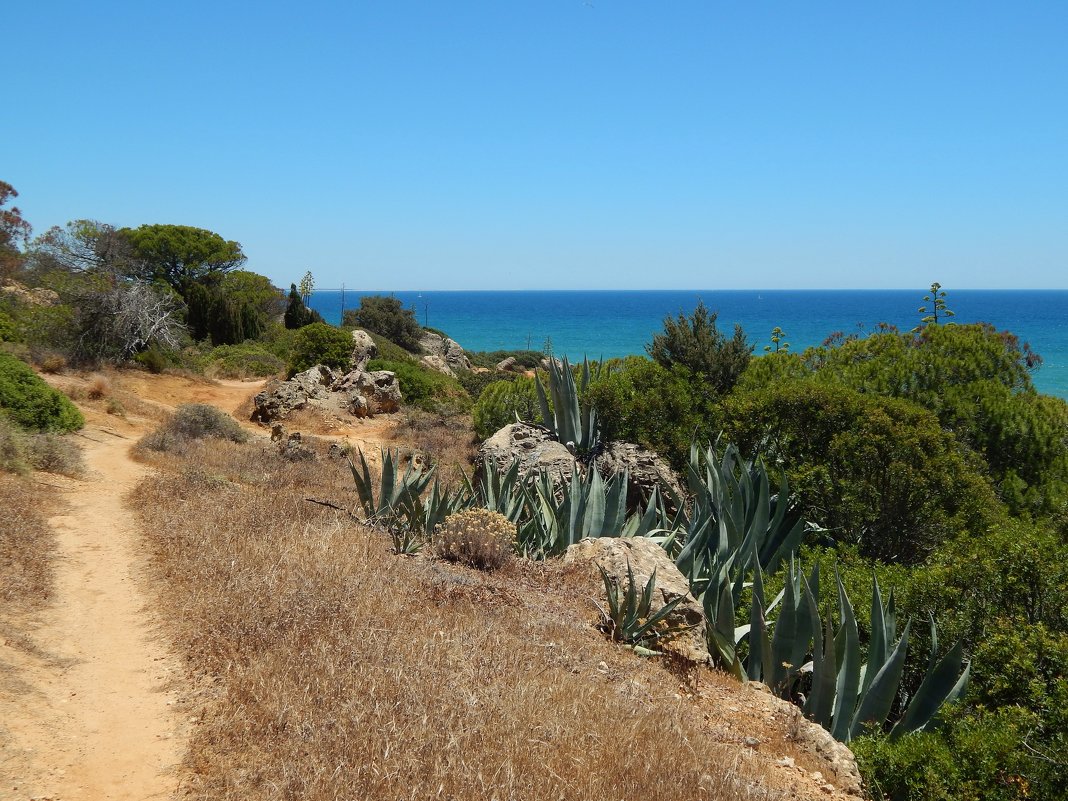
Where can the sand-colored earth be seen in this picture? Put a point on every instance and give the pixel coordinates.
(90, 711)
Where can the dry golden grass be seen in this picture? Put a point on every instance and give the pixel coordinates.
(447, 441)
(26, 544)
(337, 670)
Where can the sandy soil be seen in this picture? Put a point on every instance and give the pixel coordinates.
(94, 715)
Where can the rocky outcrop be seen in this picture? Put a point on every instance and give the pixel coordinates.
(281, 399)
(449, 351)
(37, 296)
(643, 555)
(357, 392)
(363, 349)
(645, 470)
(437, 363)
(367, 394)
(533, 447)
(508, 364)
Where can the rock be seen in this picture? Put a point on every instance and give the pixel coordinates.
(363, 349)
(437, 363)
(837, 759)
(613, 554)
(645, 470)
(506, 365)
(38, 296)
(366, 393)
(285, 397)
(278, 432)
(534, 447)
(294, 450)
(545, 363)
(449, 350)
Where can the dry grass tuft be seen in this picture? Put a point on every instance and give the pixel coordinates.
(341, 671)
(25, 546)
(98, 387)
(447, 441)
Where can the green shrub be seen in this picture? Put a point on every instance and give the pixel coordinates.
(980, 755)
(425, 388)
(384, 315)
(320, 343)
(30, 403)
(501, 402)
(879, 472)
(152, 359)
(474, 382)
(193, 421)
(390, 351)
(8, 330)
(653, 406)
(250, 359)
(695, 343)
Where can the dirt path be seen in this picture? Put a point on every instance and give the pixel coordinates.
(97, 720)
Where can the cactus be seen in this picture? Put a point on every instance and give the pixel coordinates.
(629, 618)
(570, 420)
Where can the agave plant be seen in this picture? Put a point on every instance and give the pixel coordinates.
(845, 695)
(629, 618)
(398, 493)
(569, 418)
(587, 506)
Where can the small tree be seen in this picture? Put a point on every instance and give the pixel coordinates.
(298, 315)
(385, 316)
(319, 343)
(695, 343)
(13, 231)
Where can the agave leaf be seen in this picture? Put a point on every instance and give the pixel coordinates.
(878, 646)
(848, 680)
(876, 702)
(934, 691)
(820, 704)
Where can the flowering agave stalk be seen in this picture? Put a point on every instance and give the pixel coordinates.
(569, 419)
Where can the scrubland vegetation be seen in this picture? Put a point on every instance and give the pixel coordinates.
(925, 459)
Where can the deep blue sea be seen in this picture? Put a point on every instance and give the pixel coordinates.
(608, 323)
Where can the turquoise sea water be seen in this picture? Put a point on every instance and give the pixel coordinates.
(608, 323)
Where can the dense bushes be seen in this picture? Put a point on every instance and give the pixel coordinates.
(656, 407)
(320, 343)
(380, 314)
(30, 403)
(876, 471)
(695, 343)
(425, 388)
(247, 360)
(501, 402)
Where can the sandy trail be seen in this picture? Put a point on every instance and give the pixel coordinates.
(97, 720)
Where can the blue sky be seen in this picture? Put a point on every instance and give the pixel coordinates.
(559, 143)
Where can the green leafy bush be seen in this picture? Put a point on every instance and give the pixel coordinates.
(425, 388)
(390, 351)
(653, 406)
(248, 360)
(30, 403)
(8, 330)
(695, 343)
(501, 402)
(319, 343)
(879, 472)
(384, 315)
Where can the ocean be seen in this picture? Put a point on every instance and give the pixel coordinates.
(610, 323)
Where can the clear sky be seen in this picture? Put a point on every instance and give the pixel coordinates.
(558, 143)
